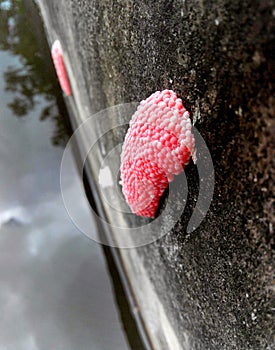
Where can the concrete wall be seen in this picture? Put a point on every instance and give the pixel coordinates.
(212, 289)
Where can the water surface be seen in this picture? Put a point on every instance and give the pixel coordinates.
(55, 289)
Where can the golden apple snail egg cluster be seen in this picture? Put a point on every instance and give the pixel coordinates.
(157, 146)
(57, 56)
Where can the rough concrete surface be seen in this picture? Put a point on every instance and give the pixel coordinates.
(216, 284)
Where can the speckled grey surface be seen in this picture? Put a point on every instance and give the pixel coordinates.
(216, 284)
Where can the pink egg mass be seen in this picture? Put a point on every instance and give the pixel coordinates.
(157, 146)
(60, 68)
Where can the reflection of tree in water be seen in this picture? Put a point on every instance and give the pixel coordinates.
(21, 33)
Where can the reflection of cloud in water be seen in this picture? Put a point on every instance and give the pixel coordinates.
(5, 5)
(14, 216)
(54, 289)
(60, 296)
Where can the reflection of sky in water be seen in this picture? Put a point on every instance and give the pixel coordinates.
(55, 292)
(5, 5)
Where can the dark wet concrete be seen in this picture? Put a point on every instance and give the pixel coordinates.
(216, 284)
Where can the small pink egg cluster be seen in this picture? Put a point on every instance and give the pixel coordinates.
(157, 146)
(60, 68)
